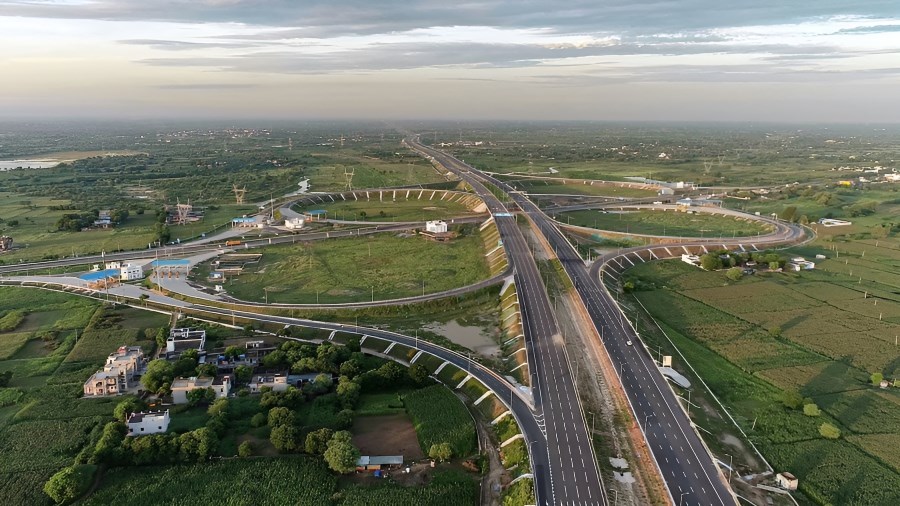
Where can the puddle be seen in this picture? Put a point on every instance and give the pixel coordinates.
(474, 338)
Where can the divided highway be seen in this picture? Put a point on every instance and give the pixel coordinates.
(563, 458)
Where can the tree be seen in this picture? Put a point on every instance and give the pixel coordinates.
(877, 378)
(258, 420)
(126, 407)
(201, 396)
(440, 451)
(218, 408)
(70, 483)
(234, 351)
(208, 369)
(317, 441)
(243, 374)
(284, 438)
(340, 454)
(418, 374)
(159, 373)
(710, 262)
(348, 392)
(107, 448)
(829, 431)
(320, 385)
(245, 449)
(734, 274)
(184, 366)
(280, 416)
(811, 410)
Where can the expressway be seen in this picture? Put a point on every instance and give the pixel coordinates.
(563, 460)
(688, 469)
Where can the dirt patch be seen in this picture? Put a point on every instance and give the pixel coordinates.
(475, 338)
(387, 435)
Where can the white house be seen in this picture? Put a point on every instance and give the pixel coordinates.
(798, 264)
(786, 481)
(221, 385)
(152, 422)
(277, 382)
(436, 227)
(294, 223)
(181, 340)
(131, 272)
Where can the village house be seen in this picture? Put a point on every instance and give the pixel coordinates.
(152, 422)
(118, 374)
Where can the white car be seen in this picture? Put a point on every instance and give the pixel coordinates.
(628, 342)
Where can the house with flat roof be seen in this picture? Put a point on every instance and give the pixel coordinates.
(152, 422)
(181, 340)
(278, 382)
(221, 385)
(378, 462)
(118, 374)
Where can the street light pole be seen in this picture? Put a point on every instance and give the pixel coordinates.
(681, 497)
(616, 502)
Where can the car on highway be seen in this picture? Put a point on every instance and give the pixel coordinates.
(628, 342)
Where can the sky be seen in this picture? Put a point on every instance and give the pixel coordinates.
(618, 60)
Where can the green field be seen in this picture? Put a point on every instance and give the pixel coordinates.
(670, 223)
(275, 481)
(359, 269)
(388, 210)
(812, 333)
(36, 236)
(439, 417)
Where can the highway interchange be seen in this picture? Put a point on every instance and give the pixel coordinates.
(563, 461)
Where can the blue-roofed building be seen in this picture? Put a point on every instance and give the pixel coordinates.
(246, 221)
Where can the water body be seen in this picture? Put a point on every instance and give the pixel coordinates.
(474, 338)
(27, 164)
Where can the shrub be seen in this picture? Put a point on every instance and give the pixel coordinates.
(70, 483)
(829, 431)
(811, 410)
(245, 449)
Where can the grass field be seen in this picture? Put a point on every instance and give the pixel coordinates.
(36, 236)
(665, 223)
(402, 209)
(811, 333)
(359, 269)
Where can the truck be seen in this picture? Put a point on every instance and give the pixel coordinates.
(232, 243)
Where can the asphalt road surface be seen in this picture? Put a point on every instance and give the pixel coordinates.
(562, 457)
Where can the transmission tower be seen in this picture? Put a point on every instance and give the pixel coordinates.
(183, 211)
(706, 166)
(348, 176)
(239, 193)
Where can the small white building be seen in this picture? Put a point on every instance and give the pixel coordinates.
(221, 385)
(294, 223)
(798, 264)
(131, 272)
(786, 481)
(436, 227)
(113, 265)
(181, 340)
(152, 422)
(277, 382)
(690, 259)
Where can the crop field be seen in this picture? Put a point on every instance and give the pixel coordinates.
(439, 417)
(809, 333)
(672, 223)
(270, 481)
(402, 209)
(360, 269)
